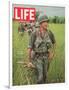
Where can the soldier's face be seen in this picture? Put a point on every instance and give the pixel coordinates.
(44, 25)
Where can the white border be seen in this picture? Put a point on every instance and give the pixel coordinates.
(11, 43)
(3, 40)
(10, 23)
(11, 40)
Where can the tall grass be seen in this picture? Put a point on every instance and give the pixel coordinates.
(22, 75)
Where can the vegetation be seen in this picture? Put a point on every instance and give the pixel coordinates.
(22, 75)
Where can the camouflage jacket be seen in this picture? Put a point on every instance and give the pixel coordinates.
(39, 43)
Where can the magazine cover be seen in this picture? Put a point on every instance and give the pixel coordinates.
(38, 44)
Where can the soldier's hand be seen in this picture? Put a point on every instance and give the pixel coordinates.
(50, 56)
(30, 65)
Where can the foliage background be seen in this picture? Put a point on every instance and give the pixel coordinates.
(23, 76)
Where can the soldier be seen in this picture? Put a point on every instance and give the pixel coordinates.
(21, 28)
(37, 26)
(29, 30)
(41, 49)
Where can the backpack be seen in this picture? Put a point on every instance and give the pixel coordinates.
(51, 35)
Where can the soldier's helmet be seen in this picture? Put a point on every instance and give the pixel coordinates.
(43, 18)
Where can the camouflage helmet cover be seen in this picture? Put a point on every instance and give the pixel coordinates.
(42, 19)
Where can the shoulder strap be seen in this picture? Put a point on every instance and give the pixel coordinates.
(51, 35)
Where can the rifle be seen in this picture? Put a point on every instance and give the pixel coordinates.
(26, 64)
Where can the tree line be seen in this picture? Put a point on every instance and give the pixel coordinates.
(53, 19)
(57, 19)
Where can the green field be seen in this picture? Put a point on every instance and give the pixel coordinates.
(23, 75)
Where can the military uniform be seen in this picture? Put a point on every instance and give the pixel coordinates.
(40, 45)
(29, 30)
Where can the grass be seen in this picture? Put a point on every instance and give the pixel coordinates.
(23, 76)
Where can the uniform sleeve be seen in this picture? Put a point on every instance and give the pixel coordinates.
(32, 40)
(52, 37)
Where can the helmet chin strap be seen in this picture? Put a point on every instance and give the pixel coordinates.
(41, 29)
(42, 32)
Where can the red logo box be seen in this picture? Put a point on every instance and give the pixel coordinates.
(24, 14)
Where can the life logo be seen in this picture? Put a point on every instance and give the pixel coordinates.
(24, 14)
